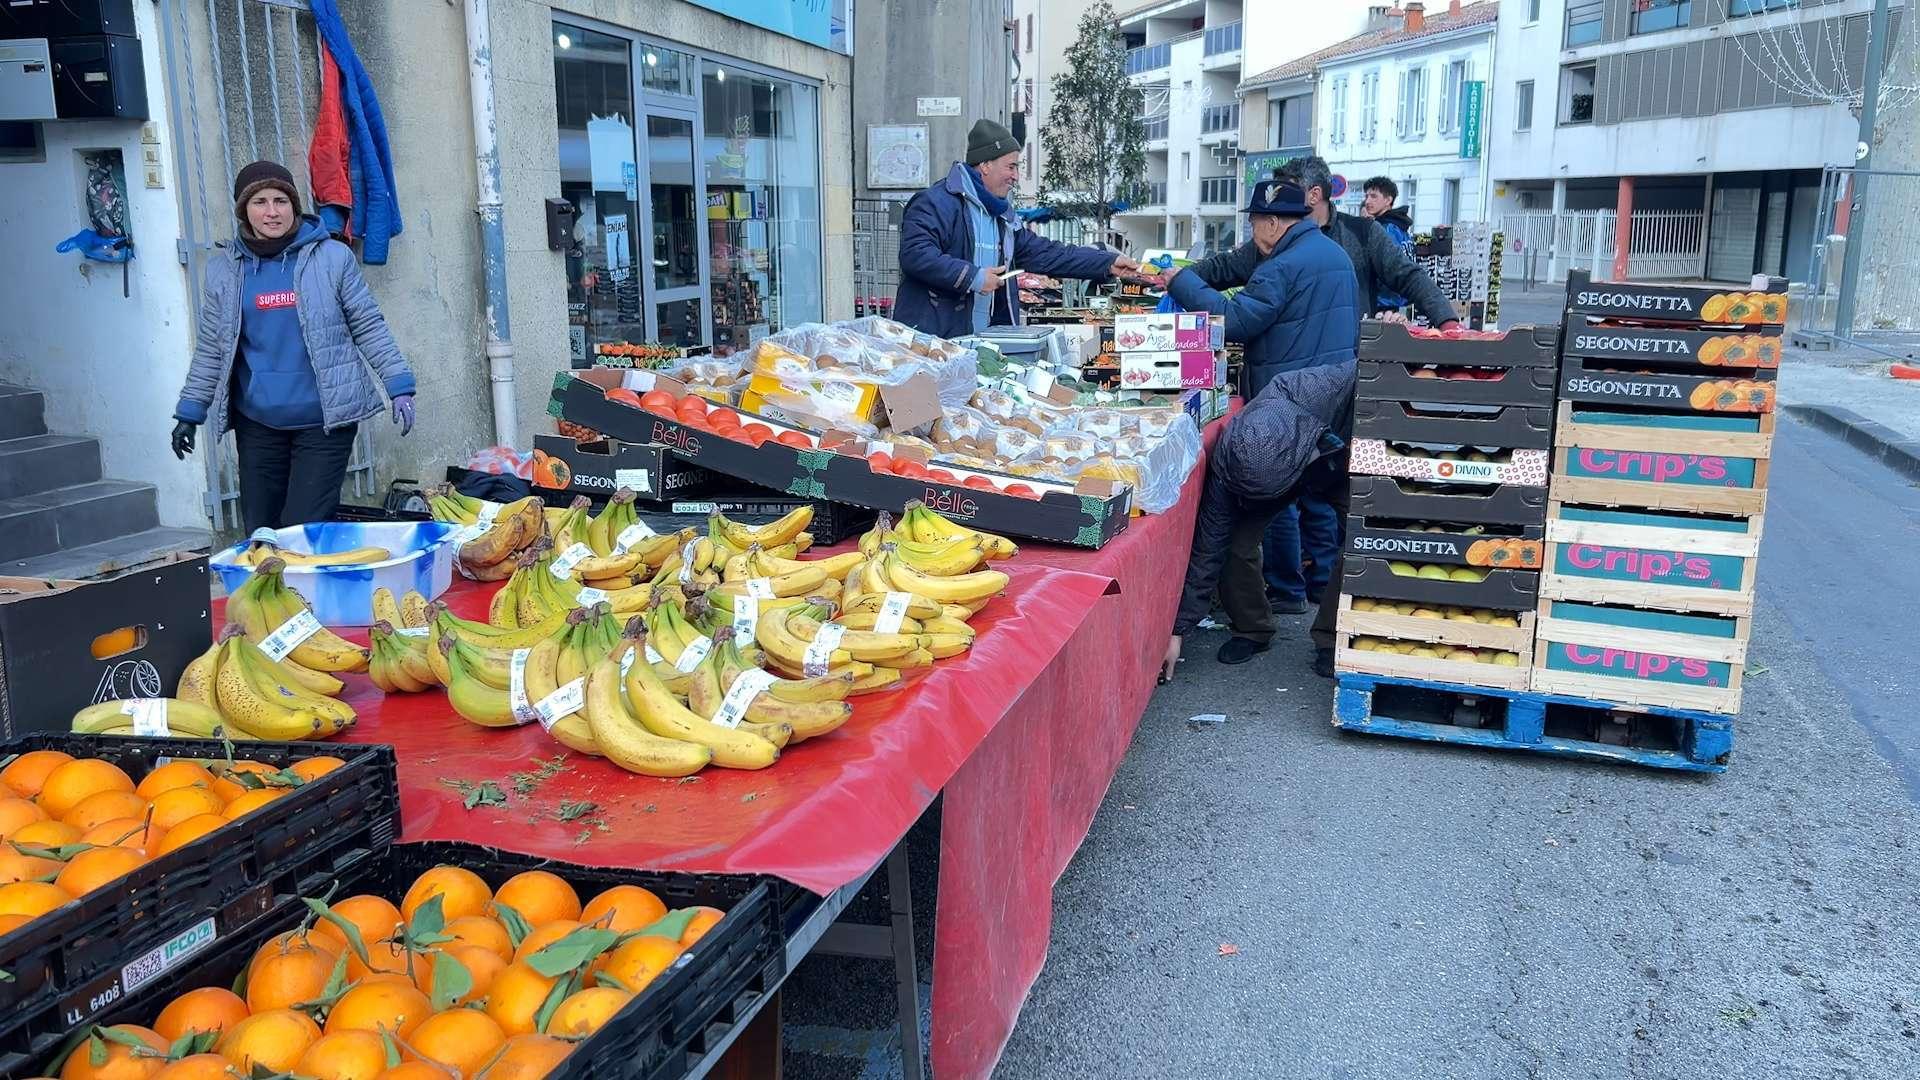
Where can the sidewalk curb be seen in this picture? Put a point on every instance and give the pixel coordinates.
(1899, 453)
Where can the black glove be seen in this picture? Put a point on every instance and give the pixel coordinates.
(183, 439)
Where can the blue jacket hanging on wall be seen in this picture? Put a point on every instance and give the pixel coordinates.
(376, 203)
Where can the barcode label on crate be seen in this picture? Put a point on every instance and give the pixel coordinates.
(819, 654)
(893, 611)
(167, 955)
(733, 707)
(288, 635)
(638, 480)
(695, 507)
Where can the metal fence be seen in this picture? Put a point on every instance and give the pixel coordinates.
(1874, 209)
(242, 84)
(1546, 245)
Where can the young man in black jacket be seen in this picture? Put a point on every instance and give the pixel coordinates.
(1378, 263)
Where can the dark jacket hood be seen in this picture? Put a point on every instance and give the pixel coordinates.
(1295, 420)
(1400, 216)
(311, 230)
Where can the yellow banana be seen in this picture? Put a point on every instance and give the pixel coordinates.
(515, 526)
(471, 698)
(836, 566)
(272, 676)
(357, 557)
(661, 713)
(503, 610)
(196, 682)
(273, 603)
(959, 589)
(413, 609)
(623, 739)
(860, 644)
(870, 603)
(741, 537)
(317, 681)
(385, 608)
(805, 720)
(948, 559)
(183, 718)
(929, 527)
(263, 708)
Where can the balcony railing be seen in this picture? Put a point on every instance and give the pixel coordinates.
(1149, 57)
(1153, 127)
(1220, 118)
(1151, 193)
(1222, 39)
(1219, 190)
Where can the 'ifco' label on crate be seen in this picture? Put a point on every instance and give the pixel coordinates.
(1687, 568)
(1632, 664)
(111, 988)
(1698, 470)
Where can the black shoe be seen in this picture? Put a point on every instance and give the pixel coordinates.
(1313, 597)
(1239, 650)
(1287, 606)
(1322, 662)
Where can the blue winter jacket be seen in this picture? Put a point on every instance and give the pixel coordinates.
(352, 354)
(937, 271)
(1299, 309)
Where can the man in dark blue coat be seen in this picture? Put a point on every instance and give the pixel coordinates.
(960, 248)
(1299, 310)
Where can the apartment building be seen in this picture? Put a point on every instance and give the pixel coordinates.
(1042, 31)
(1689, 114)
(1282, 45)
(1186, 56)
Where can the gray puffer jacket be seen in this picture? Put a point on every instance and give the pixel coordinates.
(354, 356)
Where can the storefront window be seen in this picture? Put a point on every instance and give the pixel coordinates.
(594, 104)
(762, 165)
(666, 71)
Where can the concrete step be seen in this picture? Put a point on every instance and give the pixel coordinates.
(70, 517)
(38, 463)
(109, 556)
(23, 412)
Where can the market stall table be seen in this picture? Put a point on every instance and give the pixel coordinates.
(1022, 735)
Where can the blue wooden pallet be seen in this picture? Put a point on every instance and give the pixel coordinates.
(1692, 741)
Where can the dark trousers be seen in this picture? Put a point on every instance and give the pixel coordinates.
(1301, 545)
(1243, 586)
(289, 477)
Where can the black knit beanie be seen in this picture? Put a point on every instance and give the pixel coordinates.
(260, 175)
(989, 140)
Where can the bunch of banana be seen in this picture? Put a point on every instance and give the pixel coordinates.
(408, 613)
(509, 529)
(535, 593)
(399, 662)
(564, 660)
(264, 603)
(617, 531)
(740, 537)
(257, 553)
(785, 651)
(576, 557)
(958, 596)
(779, 577)
(496, 641)
(670, 635)
(255, 696)
(620, 736)
(783, 711)
(661, 713)
(923, 525)
(182, 719)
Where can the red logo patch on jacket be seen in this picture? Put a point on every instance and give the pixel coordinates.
(268, 301)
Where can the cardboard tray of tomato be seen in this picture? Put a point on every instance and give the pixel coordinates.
(837, 467)
(1517, 347)
(1503, 427)
(68, 965)
(658, 1035)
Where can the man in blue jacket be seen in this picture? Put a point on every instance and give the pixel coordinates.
(960, 246)
(1299, 309)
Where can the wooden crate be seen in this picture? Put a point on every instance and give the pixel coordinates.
(1690, 462)
(1351, 624)
(1638, 657)
(1671, 562)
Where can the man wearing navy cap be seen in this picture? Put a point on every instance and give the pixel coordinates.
(1299, 311)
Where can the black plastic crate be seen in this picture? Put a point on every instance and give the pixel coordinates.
(1746, 348)
(1703, 389)
(1711, 305)
(658, 1035)
(832, 522)
(1473, 504)
(1510, 427)
(1495, 545)
(85, 956)
(1395, 380)
(1521, 346)
(1502, 590)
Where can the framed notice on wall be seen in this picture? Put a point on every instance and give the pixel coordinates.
(897, 156)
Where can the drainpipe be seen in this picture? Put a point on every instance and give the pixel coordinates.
(493, 236)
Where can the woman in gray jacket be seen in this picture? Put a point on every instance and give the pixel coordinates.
(289, 347)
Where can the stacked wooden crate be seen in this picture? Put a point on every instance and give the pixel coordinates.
(1663, 434)
(1445, 528)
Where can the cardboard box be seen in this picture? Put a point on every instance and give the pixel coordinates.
(1763, 302)
(598, 469)
(1454, 547)
(1695, 389)
(1085, 515)
(1169, 332)
(1521, 346)
(1179, 370)
(905, 406)
(47, 630)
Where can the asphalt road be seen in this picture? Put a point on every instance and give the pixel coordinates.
(1405, 912)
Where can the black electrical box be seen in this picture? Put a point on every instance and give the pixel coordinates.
(65, 18)
(99, 77)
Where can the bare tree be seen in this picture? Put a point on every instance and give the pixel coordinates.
(1093, 132)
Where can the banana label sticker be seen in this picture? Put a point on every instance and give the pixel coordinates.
(892, 612)
(760, 588)
(696, 651)
(819, 654)
(523, 709)
(686, 561)
(481, 523)
(632, 535)
(589, 596)
(626, 662)
(565, 701)
(746, 616)
(653, 654)
(288, 635)
(733, 707)
(149, 716)
(563, 563)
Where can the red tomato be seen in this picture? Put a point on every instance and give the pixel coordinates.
(909, 468)
(942, 476)
(794, 439)
(690, 407)
(725, 431)
(1022, 490)
(979, 483)
(624, 396)
(880, 462)
(758, 433)
(723, 415)
(657, 401)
